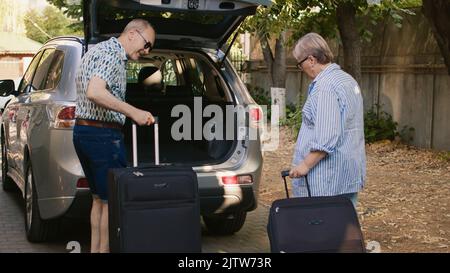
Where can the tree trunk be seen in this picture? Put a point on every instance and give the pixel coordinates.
(351, 41)
(276, 65)
(268, 56)
(279, 64)
(437, 13)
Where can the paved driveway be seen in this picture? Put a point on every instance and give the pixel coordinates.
(251, 238)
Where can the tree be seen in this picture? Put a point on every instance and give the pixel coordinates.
(50, 23)
(269, 24)
(272, 24)
(437, 13)
(349, 18)
(72, 9)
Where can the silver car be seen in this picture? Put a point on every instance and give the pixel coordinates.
(186, 70)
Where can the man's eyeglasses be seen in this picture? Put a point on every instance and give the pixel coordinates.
(147, 45)
(299, 64)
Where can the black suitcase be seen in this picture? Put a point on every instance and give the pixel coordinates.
(314, 224)
(153, 209)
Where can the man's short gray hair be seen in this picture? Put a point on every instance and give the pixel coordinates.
(139, 24)
(312, 44)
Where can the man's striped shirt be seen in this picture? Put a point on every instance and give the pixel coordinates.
(106, 60)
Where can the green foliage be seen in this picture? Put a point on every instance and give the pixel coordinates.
(379, 125)
(48, 24)
(293, 118)
(73, 10)
(320, 16)
(271, 22)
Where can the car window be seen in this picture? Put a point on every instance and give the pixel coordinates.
(28, 77)
(196, 77)
(181, 76)
(170, 73)
(55, 71)
(191, 76)
(40, 77)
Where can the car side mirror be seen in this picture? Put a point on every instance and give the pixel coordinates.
(7, 88)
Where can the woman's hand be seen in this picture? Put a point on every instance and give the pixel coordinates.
(299, 170)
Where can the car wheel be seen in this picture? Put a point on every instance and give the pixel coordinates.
(37, 229)
(7, 182)
(225, 224)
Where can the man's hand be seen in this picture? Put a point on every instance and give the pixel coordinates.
(299, 170)
(142, 117)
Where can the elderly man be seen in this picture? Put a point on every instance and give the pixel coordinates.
(330, 146)
(100, 115)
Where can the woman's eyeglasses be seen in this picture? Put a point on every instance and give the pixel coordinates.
(299, 64)
(147, 45)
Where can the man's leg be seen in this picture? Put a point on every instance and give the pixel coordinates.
(104, 229)
(96, 213)
(117, 159)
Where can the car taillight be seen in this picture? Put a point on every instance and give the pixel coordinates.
(67, 113)
(65, 117)
(237, 180)
(256, 115)
(82, 183)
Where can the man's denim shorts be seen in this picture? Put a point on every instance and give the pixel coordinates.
(98, 150)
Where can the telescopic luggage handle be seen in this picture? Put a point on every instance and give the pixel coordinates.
(135, 152)
(286, 173)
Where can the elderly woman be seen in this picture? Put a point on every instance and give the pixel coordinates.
(330, 146)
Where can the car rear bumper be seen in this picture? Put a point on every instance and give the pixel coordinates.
(215, 197)
(227, 200)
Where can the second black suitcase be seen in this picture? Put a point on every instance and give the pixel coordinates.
(314, 224)
(154, 209)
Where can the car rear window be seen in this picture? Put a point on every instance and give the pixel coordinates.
(176, 76)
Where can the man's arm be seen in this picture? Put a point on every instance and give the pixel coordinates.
(97, 93)
(310, 161)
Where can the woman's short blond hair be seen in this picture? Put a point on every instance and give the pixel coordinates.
(312, 44)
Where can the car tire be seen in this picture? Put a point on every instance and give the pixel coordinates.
(7, 182)
(37, 229)
(225, 224)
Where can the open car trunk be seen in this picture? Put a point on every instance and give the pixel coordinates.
(171, 80)
(179, 24)
(185, 23)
